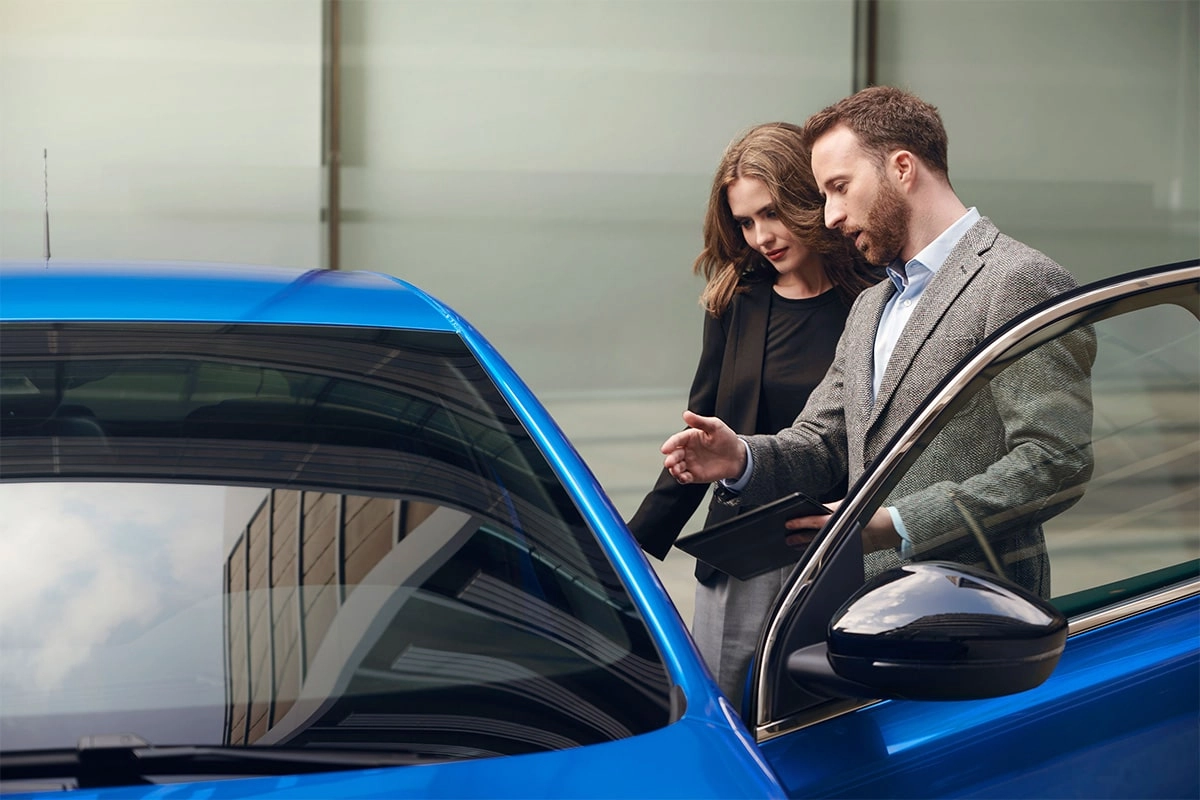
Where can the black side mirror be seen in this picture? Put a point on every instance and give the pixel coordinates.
(935, 631)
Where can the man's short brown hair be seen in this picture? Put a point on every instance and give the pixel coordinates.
(885, 119)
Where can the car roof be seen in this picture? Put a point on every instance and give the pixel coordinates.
(207, 292)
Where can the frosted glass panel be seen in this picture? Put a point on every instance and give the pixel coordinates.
(544, 165)
(1073, 125)
(174, 129)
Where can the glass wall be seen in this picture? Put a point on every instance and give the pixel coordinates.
(545, 165)
(1073, 125)
(172, 129)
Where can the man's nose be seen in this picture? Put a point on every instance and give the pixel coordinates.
(833, 215)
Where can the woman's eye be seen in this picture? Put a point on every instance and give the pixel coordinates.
(771, 214)
(746, 224)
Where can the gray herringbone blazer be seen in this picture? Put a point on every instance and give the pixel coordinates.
(1006, 460)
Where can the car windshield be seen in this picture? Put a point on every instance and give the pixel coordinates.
(296, 536)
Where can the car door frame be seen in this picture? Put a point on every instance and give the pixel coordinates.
(823, 579)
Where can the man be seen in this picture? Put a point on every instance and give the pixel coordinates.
(1013, 454)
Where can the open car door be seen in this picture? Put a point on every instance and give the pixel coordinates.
(1065, 664)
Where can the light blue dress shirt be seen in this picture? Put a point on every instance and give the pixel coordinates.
(910, 285)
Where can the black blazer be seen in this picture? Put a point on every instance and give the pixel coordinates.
(727, 385)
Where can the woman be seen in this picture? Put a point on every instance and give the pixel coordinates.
(779, 287)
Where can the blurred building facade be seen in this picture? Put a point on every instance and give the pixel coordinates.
(289, 571)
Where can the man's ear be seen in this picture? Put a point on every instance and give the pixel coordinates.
(902, 165)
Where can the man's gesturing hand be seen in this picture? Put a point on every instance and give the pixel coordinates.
(707, 451)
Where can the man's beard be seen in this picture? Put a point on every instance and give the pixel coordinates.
(887, 226)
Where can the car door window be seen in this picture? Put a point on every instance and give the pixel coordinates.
(1138, 524)
(1092, 497)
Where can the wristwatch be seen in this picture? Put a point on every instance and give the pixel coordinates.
(724, 495)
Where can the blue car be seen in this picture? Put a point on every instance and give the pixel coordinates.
(275, 533)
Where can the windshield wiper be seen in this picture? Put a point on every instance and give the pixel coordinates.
(124, 759)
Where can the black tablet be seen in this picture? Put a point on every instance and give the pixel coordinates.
(752, 543)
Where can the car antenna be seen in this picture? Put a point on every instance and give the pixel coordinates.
(46, 206)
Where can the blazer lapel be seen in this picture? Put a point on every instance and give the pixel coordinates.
(741, 370)
(859, 372)
(944, 287)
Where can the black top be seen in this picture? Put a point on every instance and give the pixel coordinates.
(801, 337)
(730, 383)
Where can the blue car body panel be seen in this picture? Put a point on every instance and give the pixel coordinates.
(1116, 719)
(689, 759)
(707, 753)
(216, 293)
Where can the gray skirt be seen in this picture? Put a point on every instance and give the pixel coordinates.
(728, 618)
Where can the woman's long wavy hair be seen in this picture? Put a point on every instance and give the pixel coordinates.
(772, 153)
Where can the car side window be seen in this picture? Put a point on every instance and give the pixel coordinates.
(1137, 527)
(1073, 470)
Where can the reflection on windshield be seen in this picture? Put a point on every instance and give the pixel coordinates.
(110, 600)
(265, 535)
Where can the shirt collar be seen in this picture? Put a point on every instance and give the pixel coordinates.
(936, 252)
